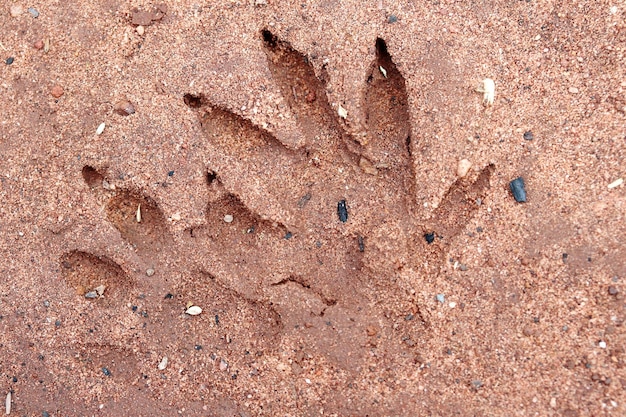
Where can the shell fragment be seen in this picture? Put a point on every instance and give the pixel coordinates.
(194, 310)
(343, 113)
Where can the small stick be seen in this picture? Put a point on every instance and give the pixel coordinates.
(138, 213)
(8, 403)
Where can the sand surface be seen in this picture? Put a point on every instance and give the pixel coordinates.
(293, 169)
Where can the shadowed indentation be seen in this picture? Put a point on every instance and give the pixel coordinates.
(460, 203)
(84, 272)
(304, 92)
(387, 113)
(150, 233)
(92, 177)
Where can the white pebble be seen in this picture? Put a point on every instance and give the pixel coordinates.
(194, 310)
(163, 363)
(223, 365)
(553, 402)
(16, 10)
(8, 404)
(149, 272)
(100, 128)
(176, 217)
(140, 30)
(463, 167)
(307, 380)
(616, 183)
(452, 304)
(488, 88)
(602, 344)
(228, 218)
(383, 71)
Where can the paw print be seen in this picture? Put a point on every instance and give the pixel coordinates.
(311, 249)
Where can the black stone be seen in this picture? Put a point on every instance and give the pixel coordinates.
(289, 235)
(106, 372)
(430, 237)
(342, 211)
(517, 188)
(168, 296)
(392, 19)
(528, 135)
(9, 60)
(170, 174)
(361, 244)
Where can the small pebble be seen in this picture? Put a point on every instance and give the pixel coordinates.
(57, 91)
(46, 303)
(91, 295)
(198, 347)
(463, 167)
(463, 267)
(517, 188)
(140, 30)
(194, 310)
(392, 19)
(34, 13)
(163, 363)
(100, 129)
(602, 344)
(170, 174)
(106, 372)
(228, 218)
(528, 135)
(430, 237)
(9, 60)
(612, 290)
(573, 90)
(342, 211)
(124, 108)
(149, 272)
(7, 403)
(16, 10)
(223, 365)
(176, 217)
(441, 298)
(477, 383)
(452, 304)
(288, 235)
(38, 45)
